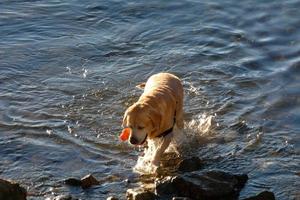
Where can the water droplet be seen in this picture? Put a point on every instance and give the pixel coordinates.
(70, 130)
(259, 135)
(85, 71)
(69, 69)
(49, 132)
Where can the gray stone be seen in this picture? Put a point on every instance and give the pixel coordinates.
(210, 185)
(11, 191)
(265, 195)
(140, 194)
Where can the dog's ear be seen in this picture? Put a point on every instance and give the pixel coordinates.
(155, 118)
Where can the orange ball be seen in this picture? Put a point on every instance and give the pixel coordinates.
(125, 134)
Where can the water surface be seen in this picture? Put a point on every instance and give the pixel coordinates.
(68, 71)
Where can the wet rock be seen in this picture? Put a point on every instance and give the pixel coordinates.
(265, 195)
(208, 185)
(85, 182)
(140, 194)
(11, 191)
(73, 182)
(88, 181)
(190, 164)
(112, 198)
(165, 186)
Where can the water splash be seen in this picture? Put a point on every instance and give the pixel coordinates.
(202, 124)
(254, 141)
(183, 141)
(144, 165)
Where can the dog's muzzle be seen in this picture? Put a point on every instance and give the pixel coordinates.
(134, 141)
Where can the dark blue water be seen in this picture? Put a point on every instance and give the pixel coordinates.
(68, 71)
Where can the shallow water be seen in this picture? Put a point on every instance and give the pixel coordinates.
(68, 71)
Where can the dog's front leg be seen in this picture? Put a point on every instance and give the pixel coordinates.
(161, 149)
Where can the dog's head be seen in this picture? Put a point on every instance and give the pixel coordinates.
(143, 121)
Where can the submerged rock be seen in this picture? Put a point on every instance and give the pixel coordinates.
(210, 185)
(11, 191)
(85, 182)
(265, 195)
(140, 194)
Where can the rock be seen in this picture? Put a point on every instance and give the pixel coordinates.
(208, 185)
(112, 198)
(265, 195)
(73, 182)
(165, 186)
(88, 181)
(191, 164)
(140, 194)
(11, 191)
(85, 182)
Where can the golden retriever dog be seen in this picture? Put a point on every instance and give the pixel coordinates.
(156, 112)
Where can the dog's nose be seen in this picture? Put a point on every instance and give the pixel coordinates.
(132, 140)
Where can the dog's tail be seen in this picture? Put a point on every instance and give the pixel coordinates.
(141, 86)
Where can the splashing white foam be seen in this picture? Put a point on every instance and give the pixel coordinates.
(202, 124)
(144, 165)
(183, 141)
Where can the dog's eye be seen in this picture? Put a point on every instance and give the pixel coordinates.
(140, 127)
